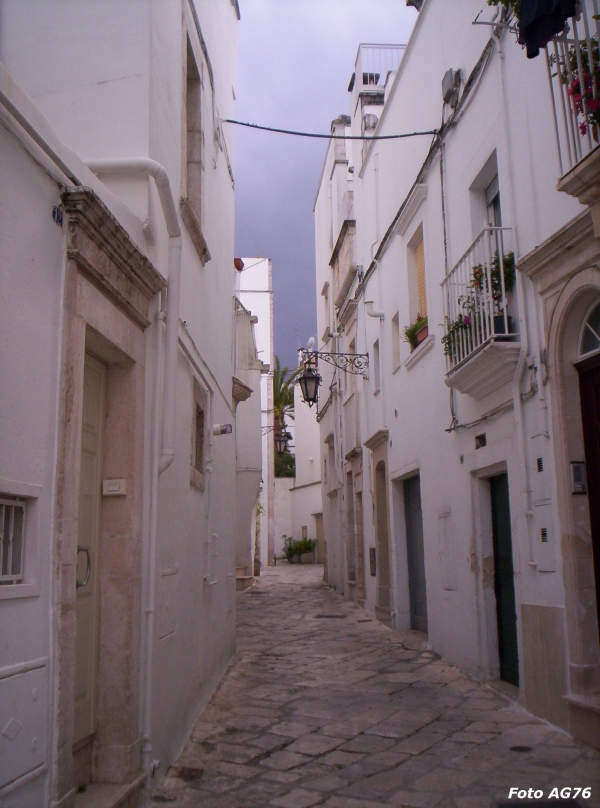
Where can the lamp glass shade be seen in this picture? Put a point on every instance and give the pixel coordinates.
(281, 441)
(309, 383)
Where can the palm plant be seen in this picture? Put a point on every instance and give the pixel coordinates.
(283, 407)
(283, 394)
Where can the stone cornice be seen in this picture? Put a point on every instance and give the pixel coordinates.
(349, 225)
(414, 201)
(377, 439)
(563, 254)
(103, 251)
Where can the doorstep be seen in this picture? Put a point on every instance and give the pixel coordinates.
(108, 795)
(584, 718)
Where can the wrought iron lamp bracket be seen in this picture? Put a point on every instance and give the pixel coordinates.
(352, 363)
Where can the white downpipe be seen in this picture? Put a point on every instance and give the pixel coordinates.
(147, 707)
(525, 341)
(163, 451)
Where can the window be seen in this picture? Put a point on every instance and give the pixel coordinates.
(12, 538)
(326, 319)
(191, 204)
(199, 453)
(417, 290)
(590, 335)
(376, 367)
(484, 197)
(351, 377)
(396, 341)
(197, 459)
(492, 202)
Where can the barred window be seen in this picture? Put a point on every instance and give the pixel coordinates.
(12, 537)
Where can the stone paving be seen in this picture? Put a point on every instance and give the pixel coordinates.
(325, 706)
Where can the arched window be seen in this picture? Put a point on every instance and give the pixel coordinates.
(589, 341)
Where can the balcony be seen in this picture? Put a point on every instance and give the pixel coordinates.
(574, 73)
(481, 342)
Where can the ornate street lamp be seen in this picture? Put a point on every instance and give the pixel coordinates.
(309, 383)
(310, 380)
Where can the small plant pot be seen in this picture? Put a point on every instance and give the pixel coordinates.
(499, 328)
(307, 558)
(422, 334)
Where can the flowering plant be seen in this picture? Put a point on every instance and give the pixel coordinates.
(583, 86)
(454, 329)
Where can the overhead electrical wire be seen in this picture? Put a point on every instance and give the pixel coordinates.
(329, 137)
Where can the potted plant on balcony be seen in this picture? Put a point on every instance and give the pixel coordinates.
(415, 334)
(482, 283)
(455, 332)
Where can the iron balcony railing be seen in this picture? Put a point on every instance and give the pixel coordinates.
(574, 74)
(477, 297)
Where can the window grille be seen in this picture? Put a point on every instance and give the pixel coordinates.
(12, 533)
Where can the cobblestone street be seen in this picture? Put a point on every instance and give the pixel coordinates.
(324, 706)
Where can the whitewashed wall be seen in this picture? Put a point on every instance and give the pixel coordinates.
(511, 116)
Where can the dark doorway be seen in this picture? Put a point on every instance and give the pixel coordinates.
(415, 553)
(589, 391)
(504, 581)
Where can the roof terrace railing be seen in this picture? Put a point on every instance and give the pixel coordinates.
(375, 63)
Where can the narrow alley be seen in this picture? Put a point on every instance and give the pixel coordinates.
(323, 705)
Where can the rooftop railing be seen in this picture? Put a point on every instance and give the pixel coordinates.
(477, 294)
(574, 74)
(374, 64)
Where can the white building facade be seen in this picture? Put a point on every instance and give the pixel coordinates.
(124, 383)
(254, 284)
(448, 502)
(306, 505)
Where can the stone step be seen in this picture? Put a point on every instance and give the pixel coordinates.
(109, 795)
(241, 571)
(243, 582)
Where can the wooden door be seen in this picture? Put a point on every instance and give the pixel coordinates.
(589, 390)
(415, 551)
(383, 608)
(86, 609)
(504, 581)
(360, 550)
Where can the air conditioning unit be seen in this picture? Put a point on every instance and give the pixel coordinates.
(450, 85)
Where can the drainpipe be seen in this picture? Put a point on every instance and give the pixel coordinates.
(525, 342)
(163, 451)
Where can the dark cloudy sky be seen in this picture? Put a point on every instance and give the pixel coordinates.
(295, 60)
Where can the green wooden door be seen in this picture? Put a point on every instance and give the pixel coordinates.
(504, 581)
(416, 554)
